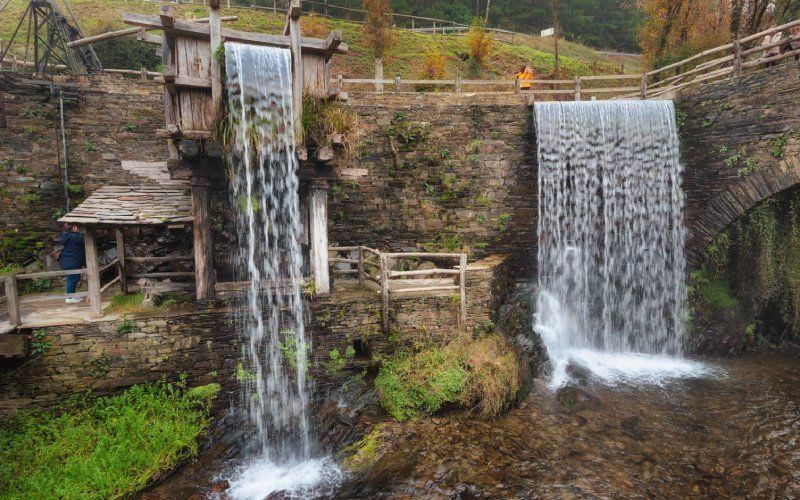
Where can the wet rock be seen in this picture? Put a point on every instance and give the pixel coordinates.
(571, 399)
(277, 495)
(219, 486)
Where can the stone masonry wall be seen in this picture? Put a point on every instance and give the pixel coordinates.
(471, 184)
(113, 119)
(202, 343)
(740, 144)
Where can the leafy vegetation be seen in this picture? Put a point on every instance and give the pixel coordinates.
(108, 447)
(481, 375)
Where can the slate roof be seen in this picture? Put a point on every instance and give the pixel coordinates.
(133, 205)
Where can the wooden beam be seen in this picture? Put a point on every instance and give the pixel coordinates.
(203, 249)
(333, 40)
(192, 29)
(121, 262)
(185, 81)
(12, 299)
(146, 37)
(216, 72)
(92, 271)
(318, 225)
(384, 270)
(297, 72)
(167, 16)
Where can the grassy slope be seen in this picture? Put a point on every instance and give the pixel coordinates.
(405, 58)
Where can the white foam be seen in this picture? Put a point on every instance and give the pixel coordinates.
(257, 479)
(628, 367)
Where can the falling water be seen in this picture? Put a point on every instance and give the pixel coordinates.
(264, 191)
(612, 295)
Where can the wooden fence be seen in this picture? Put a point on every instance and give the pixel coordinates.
(391, 282)
(12, 296)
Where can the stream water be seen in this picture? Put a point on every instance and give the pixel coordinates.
(736, 433)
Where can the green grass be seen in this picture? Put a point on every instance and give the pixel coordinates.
(125, 303)
(404, 58)
(106, 448)
(480, 374)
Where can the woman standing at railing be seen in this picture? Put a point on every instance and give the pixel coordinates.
(73, 256)
(792, 45)
(771, 51)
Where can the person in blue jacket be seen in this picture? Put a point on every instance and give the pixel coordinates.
(73, 256)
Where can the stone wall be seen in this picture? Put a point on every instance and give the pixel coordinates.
(740, 144)
(103, 357)
(470, 184)
(113, 118)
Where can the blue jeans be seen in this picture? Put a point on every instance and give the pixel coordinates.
(72, 279)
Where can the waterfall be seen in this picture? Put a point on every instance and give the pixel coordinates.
(263, 188)
(611, 294)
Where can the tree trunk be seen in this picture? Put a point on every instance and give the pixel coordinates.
(378, 74)
(486, 18)
(555, 39)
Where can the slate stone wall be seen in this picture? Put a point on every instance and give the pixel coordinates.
(113, 118)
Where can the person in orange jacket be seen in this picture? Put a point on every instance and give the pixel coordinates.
(525, 74)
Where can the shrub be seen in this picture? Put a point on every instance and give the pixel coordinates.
(322, 119)
(378, 34)
(481, 375)
(313, 26)
(433, 66)
(106, 448)
(479, 41)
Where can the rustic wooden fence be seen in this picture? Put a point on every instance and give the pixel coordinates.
(392, 282)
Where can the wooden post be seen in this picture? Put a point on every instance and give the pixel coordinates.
(216, 73)
(577, 88)
(384, 292)
(318, 225)
(12, 300)
(340, 82)
(123, 272)
(517, 86)
(92, 271)
(203, 263)
(144, 73)
(412, 24)
(167, 60)
(462, 284)
(644, 85)
(326, 8)
(458, 85)
(737, 57)
(297, 66)
(361, 265)
(397, 83)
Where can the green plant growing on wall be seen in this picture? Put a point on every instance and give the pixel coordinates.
(59, 213)
(776, 146)
(444, 153)
(481, 218)
(20, 169)
(289, 347)
(30, 130)
(494, 134)
(89, 147)
(474, 145)
(32, 198)
(680, 117)
(74, 189)
(39, 344)
(337, 361)
(723, 150)
(126, 326)
(483, 201)
(708, 123)
(474, 159)
(750, 166)
(242, 375)
(430, 189)
(38, 285)
(406, 133)
(339, 194)
(734, 159)
(130, 127)
(309, 290)
(503, 221)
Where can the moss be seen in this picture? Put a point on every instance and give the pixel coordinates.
(712, 290)
(362, 454)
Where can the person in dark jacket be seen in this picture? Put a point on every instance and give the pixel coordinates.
(73, 256)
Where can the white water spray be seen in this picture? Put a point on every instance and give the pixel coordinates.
(611, 263)
(264, 191)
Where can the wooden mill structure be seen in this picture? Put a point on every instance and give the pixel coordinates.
(192, 103)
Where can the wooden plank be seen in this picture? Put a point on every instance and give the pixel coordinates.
(49, 274)
(176, 274)
(119, 236)
(297, 73)
(12, 299)
(438, 288)
(462, 286)
(384, 270)
(186, 81)
(13, 346)
(203, 251)
(109, 284)
(405, 255)
(318, 232)
(168, 258)
(92, 271)
(423, 272)
(215, 39)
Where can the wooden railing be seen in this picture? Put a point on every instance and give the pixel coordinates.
(12, 296)
(369, 259)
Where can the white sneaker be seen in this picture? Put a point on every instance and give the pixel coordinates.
(73, 300)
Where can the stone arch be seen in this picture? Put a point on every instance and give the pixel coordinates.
(736, 199)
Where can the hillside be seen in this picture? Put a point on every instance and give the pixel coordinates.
(405, 58)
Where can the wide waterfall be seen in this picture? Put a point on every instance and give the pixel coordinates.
(264, 191)
(612, 294)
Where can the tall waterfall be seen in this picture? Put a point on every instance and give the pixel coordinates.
(611, 238)
(264, 191)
